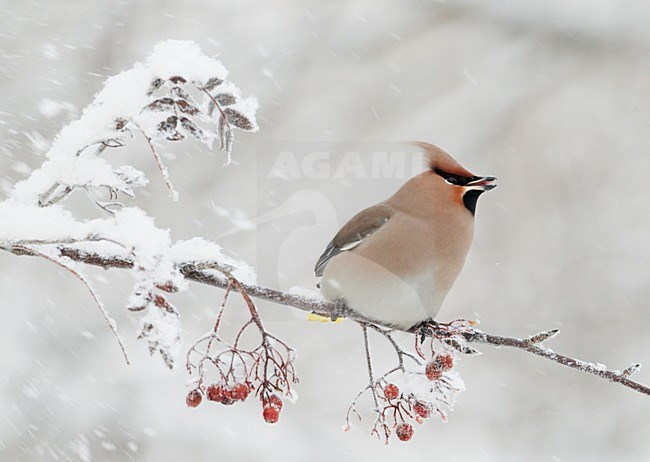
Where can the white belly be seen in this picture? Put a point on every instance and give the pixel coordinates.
(377, 293)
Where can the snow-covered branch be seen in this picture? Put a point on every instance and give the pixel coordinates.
(211, 273)
(177, 93)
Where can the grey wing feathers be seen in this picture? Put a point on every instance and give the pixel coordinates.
(362, 225)
(330, 252)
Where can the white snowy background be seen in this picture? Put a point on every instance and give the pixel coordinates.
(552, 98)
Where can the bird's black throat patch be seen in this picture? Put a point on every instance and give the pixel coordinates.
(470, 198)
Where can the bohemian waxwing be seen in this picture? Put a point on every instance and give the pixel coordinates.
(396, 261)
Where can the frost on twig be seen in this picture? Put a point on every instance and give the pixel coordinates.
(540, 338)
(633, 369)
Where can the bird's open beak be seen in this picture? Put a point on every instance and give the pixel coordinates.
(485, 183)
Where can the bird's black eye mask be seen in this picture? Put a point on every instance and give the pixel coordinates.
(455, 179)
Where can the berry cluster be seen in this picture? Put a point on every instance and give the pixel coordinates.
(412, 392)
(401, 407)
(224, 395)
(266, 370)
(271, 406)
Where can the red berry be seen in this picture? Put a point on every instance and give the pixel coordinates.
(404, 432)
(214, 392)
(271, 413)
(433, 371)
(445, 362)
(422, 409)
(220, 394)
(239, 392)
(275, 401)
(391, 391)
(193, 398)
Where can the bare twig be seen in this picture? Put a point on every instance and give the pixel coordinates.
(371, 382)
(478, 336)
(61, 261)
(196, 271)
(159, 162)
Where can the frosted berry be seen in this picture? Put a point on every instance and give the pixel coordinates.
(391, 391)
(445, 362)
(219, 394)
(404, 432)
(239, 392)
(214, 392)
(433, 371)
(422, 410)
(275, 401)
(271, 413)
(193, 398)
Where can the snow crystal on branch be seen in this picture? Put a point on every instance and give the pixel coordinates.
(198, 250)
(307, 294)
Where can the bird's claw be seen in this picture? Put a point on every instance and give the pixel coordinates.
(425, 329)
(432, 328)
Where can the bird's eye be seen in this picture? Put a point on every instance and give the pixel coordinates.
(451, 179)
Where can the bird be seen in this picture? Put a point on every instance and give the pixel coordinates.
(395, 262)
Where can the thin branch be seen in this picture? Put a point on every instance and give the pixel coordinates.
(57, 191)
(67, 266)
(159, 162)
(196, 271)
(401, 353)
(371, 382)
(478, 336)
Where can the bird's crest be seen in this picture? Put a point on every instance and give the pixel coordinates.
(437, 159)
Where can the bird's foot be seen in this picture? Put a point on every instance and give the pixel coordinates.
(340, 311)
(424, 329)
(432, 328)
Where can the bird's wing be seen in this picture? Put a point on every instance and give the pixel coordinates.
(360, 226)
